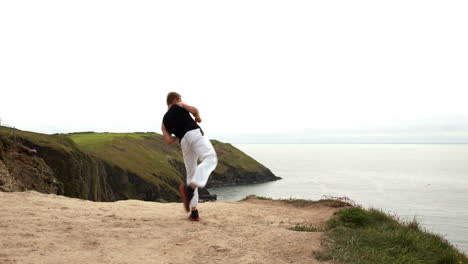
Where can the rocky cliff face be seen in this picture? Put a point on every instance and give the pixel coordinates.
(59, 166)
(20, 171)
(74, 174)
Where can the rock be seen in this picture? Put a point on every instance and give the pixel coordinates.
(6, 181)
(27, 150)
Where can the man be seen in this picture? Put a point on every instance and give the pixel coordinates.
(195, 145)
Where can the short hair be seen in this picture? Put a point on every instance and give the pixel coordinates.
(171, 96)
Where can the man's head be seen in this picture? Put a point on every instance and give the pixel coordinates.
(173, 98)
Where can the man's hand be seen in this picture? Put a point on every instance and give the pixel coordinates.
(173, 140)
(198, 119)
(167, 136)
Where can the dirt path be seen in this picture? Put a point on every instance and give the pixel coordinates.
(40, 228)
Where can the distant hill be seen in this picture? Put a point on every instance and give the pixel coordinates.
(111, 166)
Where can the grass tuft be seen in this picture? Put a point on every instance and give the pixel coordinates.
(367, 236)
(359, 236)
(263, 198)
(354, 217)
(307, 228)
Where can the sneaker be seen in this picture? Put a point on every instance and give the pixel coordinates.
(187, 195)
(194, 216)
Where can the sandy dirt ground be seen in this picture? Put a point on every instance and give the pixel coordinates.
(47, 228)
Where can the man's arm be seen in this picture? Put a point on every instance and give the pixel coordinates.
(167, 136)
(193, 110)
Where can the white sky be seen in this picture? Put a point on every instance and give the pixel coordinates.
(251, 67)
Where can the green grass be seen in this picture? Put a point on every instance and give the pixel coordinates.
(359, 236)
(307, 228)
(304, 203)
(91, 141)
(59, 141)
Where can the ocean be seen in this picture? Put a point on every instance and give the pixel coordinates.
(428, 182)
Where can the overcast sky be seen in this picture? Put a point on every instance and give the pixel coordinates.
(259, 71)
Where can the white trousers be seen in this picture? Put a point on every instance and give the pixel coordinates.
(196, 146)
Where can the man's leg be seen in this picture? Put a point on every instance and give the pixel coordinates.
(190, 161)
(194, 201)
(204, 149)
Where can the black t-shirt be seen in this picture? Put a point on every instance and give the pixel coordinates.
(178, 121)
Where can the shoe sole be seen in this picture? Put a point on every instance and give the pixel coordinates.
(194, 219)
(184, 197)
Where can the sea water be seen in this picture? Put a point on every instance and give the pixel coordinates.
(425, 181)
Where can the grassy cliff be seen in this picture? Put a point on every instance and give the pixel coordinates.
(356, 235)
(113, 166)
(366, 236)
(147, 155)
